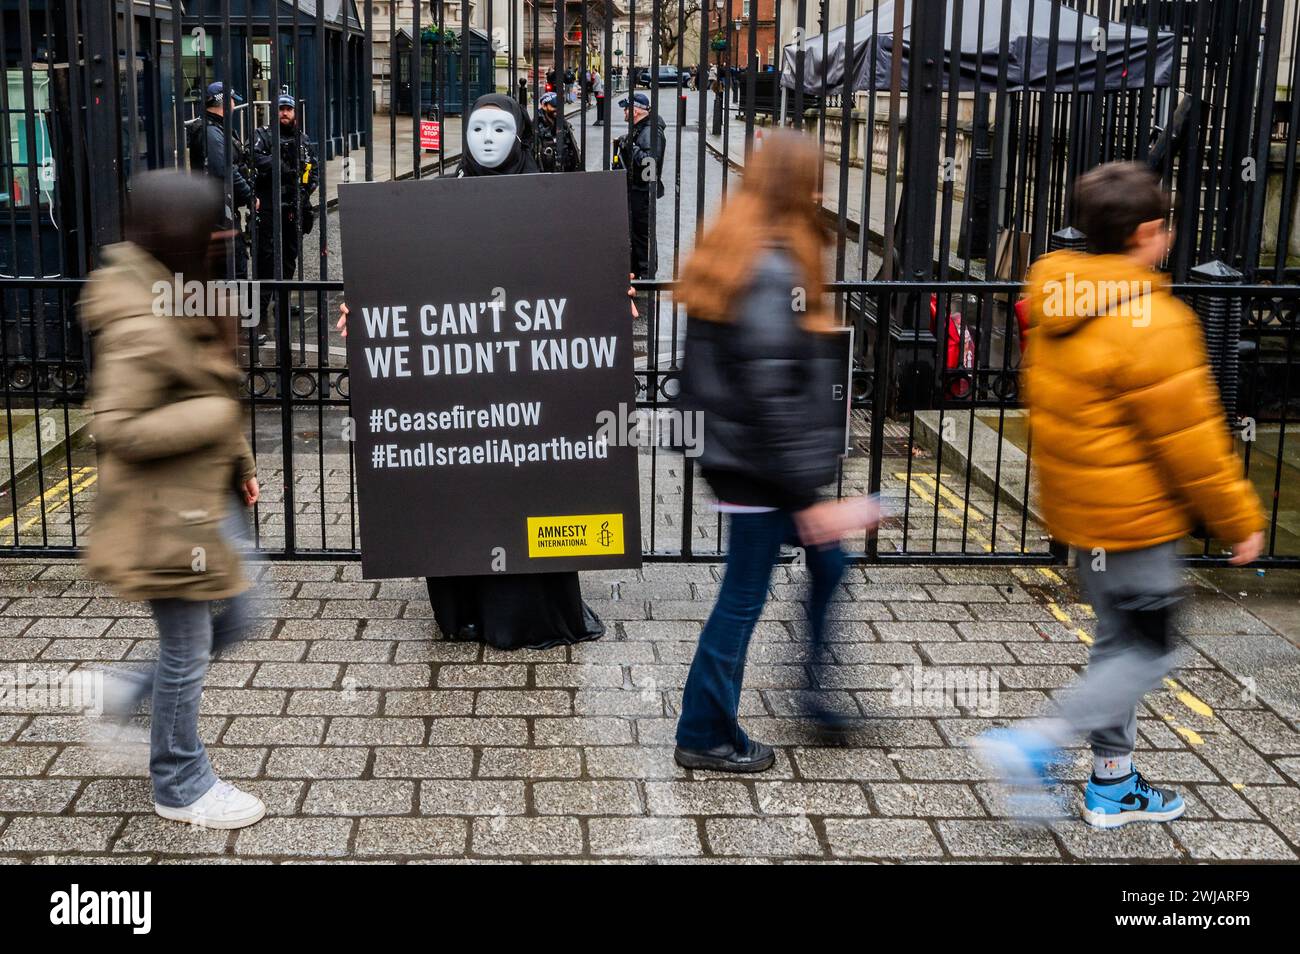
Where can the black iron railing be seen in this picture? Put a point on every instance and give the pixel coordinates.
(947, 171)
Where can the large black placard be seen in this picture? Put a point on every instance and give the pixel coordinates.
(488, 332)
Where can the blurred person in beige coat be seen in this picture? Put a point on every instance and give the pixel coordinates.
(175, 474)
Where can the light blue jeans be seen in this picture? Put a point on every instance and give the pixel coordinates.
(190, 633)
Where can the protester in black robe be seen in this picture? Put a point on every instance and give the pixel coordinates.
(530, 610)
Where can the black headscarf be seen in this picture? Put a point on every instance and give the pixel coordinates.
(520, 160)
(172, 215)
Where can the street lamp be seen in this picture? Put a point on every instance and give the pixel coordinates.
(631, 62)
(718, 44)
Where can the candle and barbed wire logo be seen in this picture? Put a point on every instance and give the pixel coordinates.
(595, 534)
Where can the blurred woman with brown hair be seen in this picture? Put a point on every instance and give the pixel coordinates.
(759, 367)
(175, 477)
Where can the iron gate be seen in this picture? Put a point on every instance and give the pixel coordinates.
(948, 166)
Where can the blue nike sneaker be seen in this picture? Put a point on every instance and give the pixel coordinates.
(1111, 803)
(1021, 760)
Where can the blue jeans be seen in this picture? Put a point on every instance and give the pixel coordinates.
(711, 699)
(190, 633)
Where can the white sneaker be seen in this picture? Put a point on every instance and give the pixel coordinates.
(222, 806)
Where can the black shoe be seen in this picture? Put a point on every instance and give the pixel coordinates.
(468, 632)
(263, 340)
(727, 758)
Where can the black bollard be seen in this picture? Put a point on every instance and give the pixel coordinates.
(1068, 237)
(1220, 312)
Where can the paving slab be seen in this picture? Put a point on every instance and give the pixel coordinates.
(373, 739)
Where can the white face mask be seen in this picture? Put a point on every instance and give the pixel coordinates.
(490, 136)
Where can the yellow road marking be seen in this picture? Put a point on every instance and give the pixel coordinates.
(1193, 738)
(1193, 703)
(1051, 575)
(54, 497)
(1189, 700)
(51, 493)
(958, 502)
(59, 505)
(950, 513)
(1064, 617)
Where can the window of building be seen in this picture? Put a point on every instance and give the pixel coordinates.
(20, 190)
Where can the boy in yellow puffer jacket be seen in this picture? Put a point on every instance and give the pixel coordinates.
(1132, 452)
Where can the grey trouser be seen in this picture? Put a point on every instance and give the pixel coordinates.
(1135, 598)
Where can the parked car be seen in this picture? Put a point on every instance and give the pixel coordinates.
(667, 76)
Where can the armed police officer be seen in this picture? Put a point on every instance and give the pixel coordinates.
(296, 166)
(206, 141)
(555, 147)
(641, 152)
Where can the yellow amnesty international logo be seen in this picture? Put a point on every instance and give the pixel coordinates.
(591, 534)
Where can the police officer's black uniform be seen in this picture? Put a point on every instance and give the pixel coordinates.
(206, 142)
(546, 147)
(641, 153)
(297, 167)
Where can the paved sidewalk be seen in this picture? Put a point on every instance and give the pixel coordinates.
(371, 739)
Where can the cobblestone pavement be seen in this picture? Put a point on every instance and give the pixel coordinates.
(372, 739)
